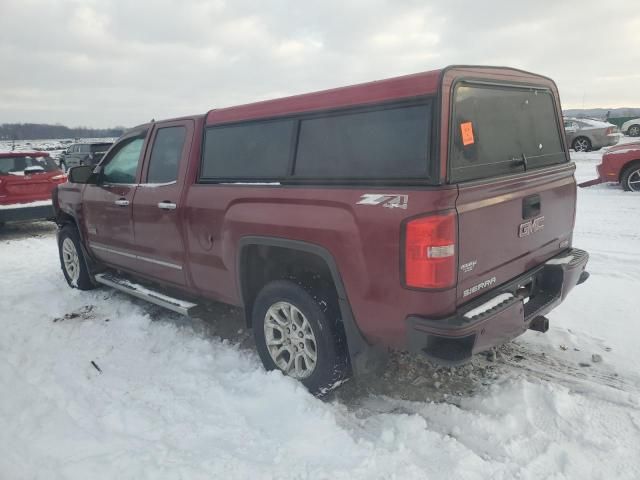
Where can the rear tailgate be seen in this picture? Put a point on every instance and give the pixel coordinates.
(517, 192)
(509, 226)
(26, 188)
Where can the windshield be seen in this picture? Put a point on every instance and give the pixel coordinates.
(499, 130)
(100, 147)
(17, 165)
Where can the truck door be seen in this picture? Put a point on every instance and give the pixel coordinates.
(157, 212)
(108, 205)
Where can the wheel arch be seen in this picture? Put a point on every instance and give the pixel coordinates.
(64, 218)
(628, 166)
(362, 355)
(631, 126)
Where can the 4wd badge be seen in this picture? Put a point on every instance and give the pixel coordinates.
(389, 200)
(531, 226)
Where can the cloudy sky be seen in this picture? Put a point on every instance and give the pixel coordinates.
(103, 63)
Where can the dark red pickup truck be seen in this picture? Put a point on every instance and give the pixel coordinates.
(432, 212)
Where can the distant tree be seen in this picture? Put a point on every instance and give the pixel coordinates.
(40, 131)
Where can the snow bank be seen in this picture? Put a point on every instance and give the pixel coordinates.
(38, 203)
(173, 401)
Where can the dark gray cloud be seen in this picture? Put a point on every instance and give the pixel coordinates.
(108, 62)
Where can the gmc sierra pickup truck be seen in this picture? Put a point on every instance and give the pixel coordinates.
(430, 212)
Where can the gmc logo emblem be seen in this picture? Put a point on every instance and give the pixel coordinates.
(531, 226)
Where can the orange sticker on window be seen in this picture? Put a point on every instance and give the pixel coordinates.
(466, 129)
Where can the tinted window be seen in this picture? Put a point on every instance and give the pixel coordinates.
(121, 167)
(84, 148)
(252, 150)
(166, 154)
(387, 143)
(17, 165)
(100, 147)
(496, 128)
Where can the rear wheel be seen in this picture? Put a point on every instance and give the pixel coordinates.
(72, 261)
(298, 334)
(630, 178)
(581, 144)
(634, 131)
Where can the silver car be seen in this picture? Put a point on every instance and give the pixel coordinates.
(631, 127)
(585, 134)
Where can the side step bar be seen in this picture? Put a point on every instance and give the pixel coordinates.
(144, 293)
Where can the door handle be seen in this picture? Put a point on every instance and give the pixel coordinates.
(122, 202)
(167, 205)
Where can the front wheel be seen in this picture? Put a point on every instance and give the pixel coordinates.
(630, 179)
(634, 131)
(72, 261)
(300, 336)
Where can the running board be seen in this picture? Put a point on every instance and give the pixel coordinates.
(139, 291)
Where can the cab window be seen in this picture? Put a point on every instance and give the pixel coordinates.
(166, 154)
(122, 165)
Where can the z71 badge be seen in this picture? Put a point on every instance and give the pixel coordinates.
(389, 200)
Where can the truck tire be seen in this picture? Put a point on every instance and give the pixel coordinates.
(72, 261)
(300, 336)
(630, 178)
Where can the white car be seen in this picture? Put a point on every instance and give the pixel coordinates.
(631, 127)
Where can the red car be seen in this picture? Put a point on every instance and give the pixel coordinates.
(432, 212)
(26, 182)
(620, 164)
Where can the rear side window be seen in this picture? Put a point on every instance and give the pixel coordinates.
(17, 165)
(100, 147)
(500, 130)
(166, 154)
(250, 150)
(389, 143)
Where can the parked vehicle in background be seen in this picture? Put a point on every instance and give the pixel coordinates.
(631, 127)
(584, 134)
(83, 154)
(432, 212)
(26, 182)
(620, 164)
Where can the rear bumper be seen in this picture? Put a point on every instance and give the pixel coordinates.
(26, 213)
(604, 176)
(612, 139)
(500, 315)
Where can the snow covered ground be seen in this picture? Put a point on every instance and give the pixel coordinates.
(96, 385)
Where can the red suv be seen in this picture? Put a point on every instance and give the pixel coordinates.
(26, 182)
(432, 212)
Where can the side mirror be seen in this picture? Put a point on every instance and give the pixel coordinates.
(83, 174)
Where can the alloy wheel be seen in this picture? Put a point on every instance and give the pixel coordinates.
(581, 145)
(71, 260)
(634, 131)
(633, 180)
(290, 340)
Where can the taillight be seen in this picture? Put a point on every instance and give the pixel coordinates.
(609, 131)
(430, 251)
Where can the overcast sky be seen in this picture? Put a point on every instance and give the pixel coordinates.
(103, 63)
